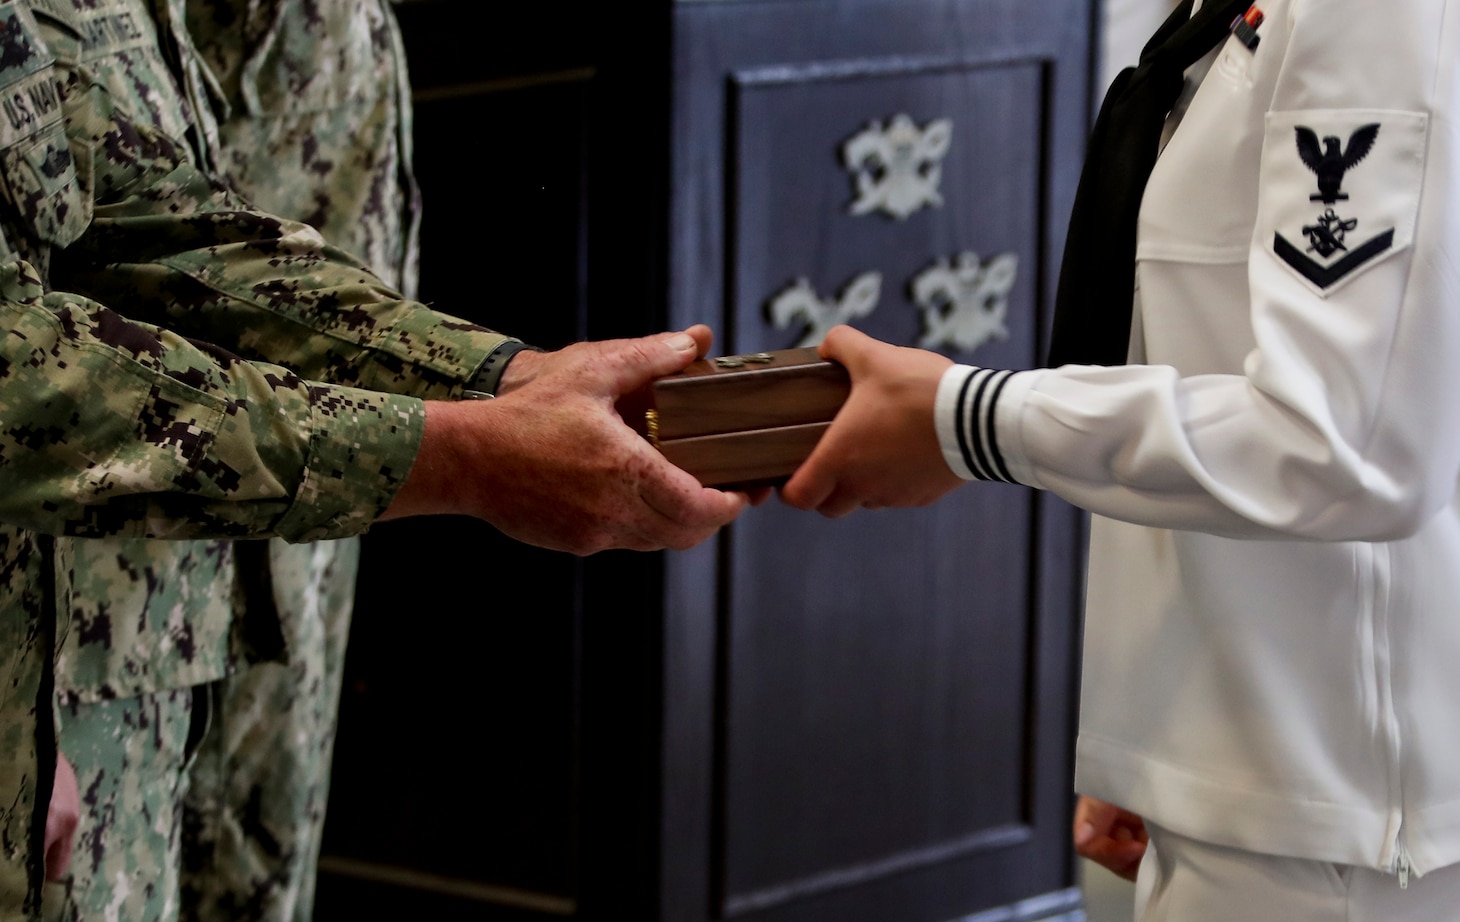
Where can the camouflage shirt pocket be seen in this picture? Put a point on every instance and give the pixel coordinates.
(37, 172)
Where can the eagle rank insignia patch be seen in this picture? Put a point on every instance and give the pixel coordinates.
(1341, 190)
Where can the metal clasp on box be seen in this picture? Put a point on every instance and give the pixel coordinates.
(740, 361)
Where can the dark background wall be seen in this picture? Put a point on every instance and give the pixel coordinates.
(858, 721)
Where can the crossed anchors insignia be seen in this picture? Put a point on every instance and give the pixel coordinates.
(965, 302)
(898, 168)
(800, 302)
(1328, 234)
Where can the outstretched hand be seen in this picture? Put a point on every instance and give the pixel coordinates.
(551, 463)
(1111, 837)
(882, 448)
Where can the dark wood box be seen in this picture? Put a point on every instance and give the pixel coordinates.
(745, 419)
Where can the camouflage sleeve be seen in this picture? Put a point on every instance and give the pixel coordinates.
(183, 252)
(113, 427)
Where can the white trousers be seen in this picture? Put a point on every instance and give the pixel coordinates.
(1183, 880)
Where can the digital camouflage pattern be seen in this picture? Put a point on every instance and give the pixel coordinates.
(114, 427)
(30, 124)
(316, 121)
(315, 127)
(134, 755)
(22, 656)
(140, 617)
(150, 615)
(120, 426)
(261, 780)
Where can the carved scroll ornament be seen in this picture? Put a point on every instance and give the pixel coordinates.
(897, 168)
(800, 303)
(964, 302)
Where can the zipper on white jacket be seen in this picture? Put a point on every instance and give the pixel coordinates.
(1402, 864)
(1373, 559)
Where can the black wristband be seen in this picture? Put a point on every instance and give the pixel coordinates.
(488, 378)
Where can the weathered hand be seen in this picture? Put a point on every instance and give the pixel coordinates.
(63, 815)
(551, 463)
(1109, 836)
(882, 448)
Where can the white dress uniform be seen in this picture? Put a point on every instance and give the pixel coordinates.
(1272, 650)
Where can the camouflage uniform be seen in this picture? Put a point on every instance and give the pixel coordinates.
(122, 428)
(309, 98)
(315, 126)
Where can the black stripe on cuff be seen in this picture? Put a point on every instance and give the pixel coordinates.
(977, 436)
(1002, 469)
(960, 419)
(977, 423)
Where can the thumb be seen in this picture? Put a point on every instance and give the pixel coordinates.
(1094, 816)
(1085, 832)
(632, 363)
(704, 338)
(846, 345)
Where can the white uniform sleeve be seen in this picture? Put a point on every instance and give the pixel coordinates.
(1343, 420)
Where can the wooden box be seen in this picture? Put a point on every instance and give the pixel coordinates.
(744, 420)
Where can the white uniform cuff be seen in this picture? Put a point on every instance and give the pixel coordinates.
(976, 413)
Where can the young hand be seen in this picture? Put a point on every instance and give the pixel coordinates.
(1111, 837)
(882, 449)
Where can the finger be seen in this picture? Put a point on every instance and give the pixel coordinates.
(626, 365)
(809, 487)
(845, 345)
(813, 483)
(754, 496)
(840, 503)
(58, 858)
(1093, 817)
(1091, 823)
(704, 338)
(679, 535)
(1111, 852)
(1120, 858)
(757, 495)
(682, 502)
(61, 820)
